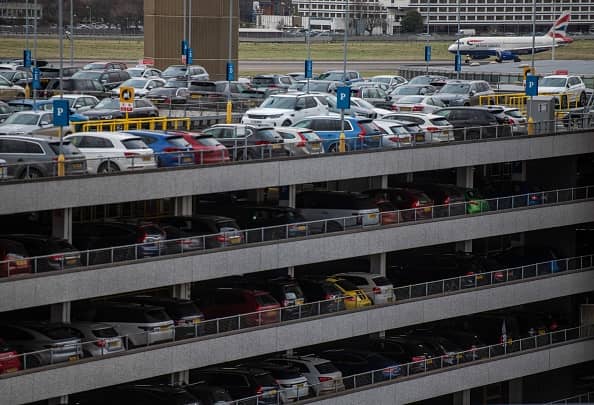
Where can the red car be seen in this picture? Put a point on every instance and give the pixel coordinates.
(9, 359)
(207, 149)
(14, 255)
(406, 199)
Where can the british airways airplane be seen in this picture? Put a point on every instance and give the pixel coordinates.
(508, 48)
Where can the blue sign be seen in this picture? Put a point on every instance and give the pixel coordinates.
(531, 85)
(27, 58)
(61, 113)
(427, 53)
(184, 47)
(343, 97)
(36, 78)
(230, 71)
(308, 69)
(189, 56)
(458, 63)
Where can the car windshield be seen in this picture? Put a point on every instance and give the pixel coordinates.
(175, 71)
(135, 72)
(455, 88)
(92, 66)
(365, 104)
(4, 82)
(331, 76)
(552, 82)
(514, 113)
(411, 100)
(382, 79)
(262, 81)
(287, 103)
(319, 86)
(67, 148)
(87, 75)
(22, 119)
(134, 143)
(7, 74)
(398, 130)
(407, 90)
(175, 83)
(108, 104)
(136, 83)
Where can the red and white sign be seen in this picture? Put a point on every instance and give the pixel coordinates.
(147, 61)
(126, 107)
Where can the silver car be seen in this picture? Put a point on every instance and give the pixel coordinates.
(300, 141)
(377, 287)
(31, 123)
(321, 374)
(98, 339)
(47, 343)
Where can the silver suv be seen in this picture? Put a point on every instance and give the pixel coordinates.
(321, 374)
(464, 92)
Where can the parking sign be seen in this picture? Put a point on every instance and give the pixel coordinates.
(61, 113)
(343, 97)
(36, 78)
(531, 85)
(308, 69)
(230, 71)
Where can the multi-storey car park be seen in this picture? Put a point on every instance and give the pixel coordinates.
(561, 164)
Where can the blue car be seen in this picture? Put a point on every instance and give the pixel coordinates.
(360, 133)
(170, 150)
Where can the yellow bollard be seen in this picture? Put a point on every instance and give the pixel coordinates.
(27, 92)
(229, 112)
(530, 126)
(342, 143)
(61, 165)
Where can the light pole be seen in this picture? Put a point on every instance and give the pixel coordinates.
(71, 32)
(35, 50)
(308, 34)
(458, 58)
(229, 116)
(427, 41)
(27, 24)
(533, 33)
(344, 66)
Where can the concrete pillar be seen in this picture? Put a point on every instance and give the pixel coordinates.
(519, 171)
(183, 291)
(515, 391)
(62, 224)
(464, 246)
(58, 401)
(291, 271)
(410, 177)
(180, 377)
(183, 206)
(465, 178)
(377, 264)
(60, 312)
(287, 196)
(378, 182)
(462, 397)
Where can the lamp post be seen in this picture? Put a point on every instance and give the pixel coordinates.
(90, 16)
(230, 68)
(308, 34)
(344, 66)
(71, 32)
(458, 58)
(533, 33)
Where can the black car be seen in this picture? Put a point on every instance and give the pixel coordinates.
(279, 222)
(220, 91)
(219, 231)
(241, 382)
(208, 394)
(417, 356)
(110, 79)
(71, 85)
(317, 290)
(474, 123)
(538, 259)
(47, 73)
(57, 253)
(512, 194)
(272, 82)
(356, 366)
(246, 142)
(175, 91)
(109, 108)
(135, 394)
(449, 199)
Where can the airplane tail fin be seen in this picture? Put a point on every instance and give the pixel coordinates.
(559, 29)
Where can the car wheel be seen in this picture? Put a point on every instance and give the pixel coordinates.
(582, 100)
(286, 123)
(30, 174)
(108, 167)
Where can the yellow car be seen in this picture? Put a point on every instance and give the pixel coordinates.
(354, 297)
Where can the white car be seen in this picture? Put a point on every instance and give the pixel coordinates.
(379, 112)
(517, 120)
(98, 338)
(423, 104)
(571, 89)
(79, 102)
(396, 135)
(141, 86)
(143, 72)
(113, 151)
(284, 110)
(377, 287)
(301, 141)
(391, 81)
(31, 123)
(321, 374)
(436, 128)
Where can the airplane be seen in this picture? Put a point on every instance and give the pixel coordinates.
(508, 48)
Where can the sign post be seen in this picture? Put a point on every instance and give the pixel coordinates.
(308, 70)
(126, 100)
(531, 91)
(427, 56)
(343, 102)
(61, 119)
(458, 63)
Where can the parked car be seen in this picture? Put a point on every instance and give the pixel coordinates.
(9, 91)
(464, 92)
(284, 110)
(45, 342)
(57, 253)
(354, 297)
(374, 95)
(323, 377)
(475, 202)
(358, 107)
(512, 194)
(110, 79)
(287, 292)
(448, 352)
(113, 151)
(140, 324)
(170, 150)
(544, 258)
(17, 257)
(33, 157)
(220, 231)
(411, 90)
(570, 90)
(146, 394)
(5, 111)
(241, 382)
(389, 80)
(36, 123)
(293, 386)
(247, 142)
(191, 72)
(395, 134)
(434, 80)
(213, 93)
(318, 86)
(378, 288)
(517, 120)
(10, 361)
(472, 122)
(109, 108)
(186, 316)
(357, 365)
(327, 296)
(48, 72)
(105, 65)
(301, 141)
(144, 72)
(78, 102)
(21, 78)
(254, 307)
(422, 104)
(349, 209)
(417, 356)
(360, 133)
(413, 203)
(435, 127)
(206, 148)
(339, 76)
(75, 86)
(272, 82)
(98, 339)
(209, 394)
(141, 86)
(449, 199)
(175, 91)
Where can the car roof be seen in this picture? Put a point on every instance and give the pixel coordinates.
(358, 274)
(32, 138)
(113, 135)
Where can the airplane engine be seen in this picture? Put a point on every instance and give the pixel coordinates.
(507, 55)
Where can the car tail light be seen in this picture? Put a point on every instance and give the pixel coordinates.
(363, 132)
(415, 204)
(221, 238)
(303, 141)
(553, 326)
(394, 107)
(329, 297)
(417, 358)
(350, 298)
(447, 200)
(130, 154)
(417, 108)
(56, 258)
(100, 343)
(470, 273)
(534, 197)
(377, 290)
(286, 303)
(142, 237)
(263, 142)
(499, 275)
(394, 139)
(432, 129)
(167, 100)
(324, 379)
(259, 390)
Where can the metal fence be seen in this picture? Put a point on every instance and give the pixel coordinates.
(585, 398)
(240, 150)
(167, 332)
(371, 221)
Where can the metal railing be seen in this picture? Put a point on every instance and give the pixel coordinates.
(239, 150)
(370, 221)
(166, 331)
(444, 363)
(585, 398)
(518, 100)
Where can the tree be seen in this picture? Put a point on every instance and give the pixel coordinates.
(412, 22)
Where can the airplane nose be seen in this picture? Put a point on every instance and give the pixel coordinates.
(452, 48)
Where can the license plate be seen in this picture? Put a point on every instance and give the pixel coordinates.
(71, 261)
(372, 216)
(10, 370)
(21, 262)
(315, 147)
(77, 165)
(420, 138)
(376, 137)
(429, 361)
(187, 160)
(301, 385)
(427, 210)
(116, 344)
(479, 277)
(146, 158)
(196, 321)
(73, 358)
(390, 299)
(234, 240)
(459, 356)
(541, 332)
(276, 146)
(300, 228)
(256, 122)
(300, 301)
(164, 328)
(196, 95)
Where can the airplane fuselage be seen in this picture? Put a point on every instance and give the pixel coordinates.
(484, 47)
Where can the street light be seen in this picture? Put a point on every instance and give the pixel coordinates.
(90, 15)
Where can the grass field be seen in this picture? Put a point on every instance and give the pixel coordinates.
(357, 51)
